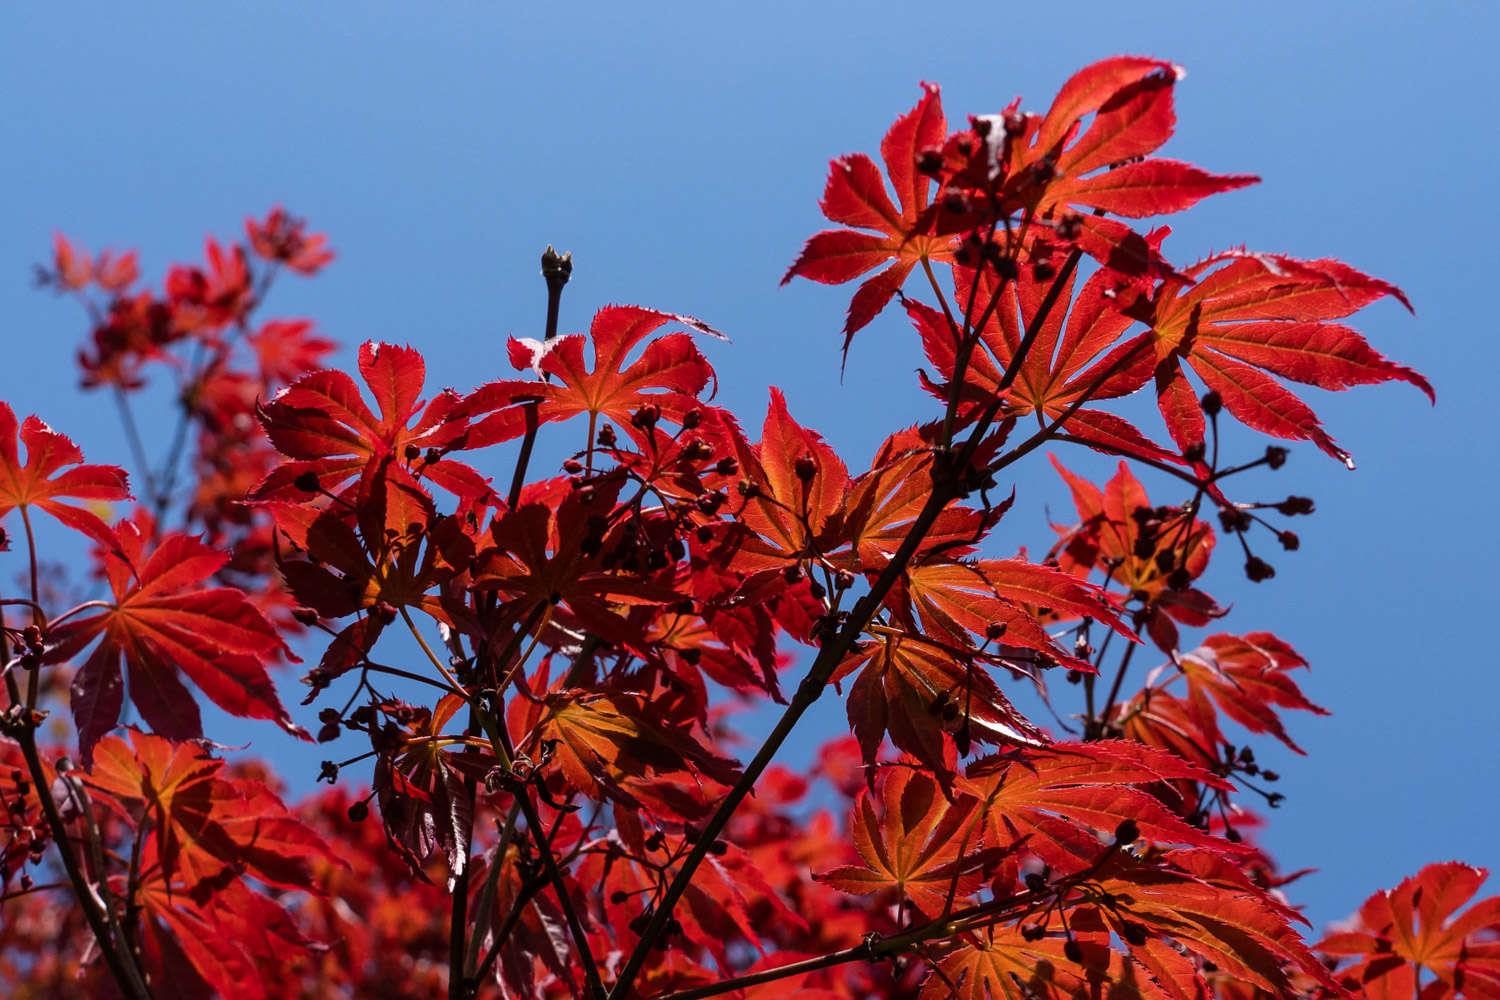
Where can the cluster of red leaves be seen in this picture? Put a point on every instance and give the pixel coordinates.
(543, 678)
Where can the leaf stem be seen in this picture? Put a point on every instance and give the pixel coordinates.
(33, 676)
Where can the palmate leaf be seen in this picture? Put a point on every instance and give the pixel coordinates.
(232, 943)
(41, 481)
(599, 740)
(204, 822)
(1248, 678)
(1244, 319)
(1101, 166)
(670, 374)
(1203, 903)
(856, 196)
(1043, 797)
(161, 622)
(915, 843)
(800, 484)
(1080, 359)
(1087, 152)
(955, 599)
(323, 424)
(883, 502)
(555, 550)
(998, 963)
(1418, 924)
(1111, 535)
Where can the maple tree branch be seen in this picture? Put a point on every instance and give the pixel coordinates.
(557, 268)
(535, 828)
(871, 950)
(23, 730)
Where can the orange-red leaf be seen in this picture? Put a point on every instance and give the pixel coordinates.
(41, 482)
(914, 843)
(1418, 923)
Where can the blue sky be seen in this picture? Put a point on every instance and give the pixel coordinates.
(679, 149)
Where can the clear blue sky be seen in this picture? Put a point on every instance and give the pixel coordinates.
(678, 150)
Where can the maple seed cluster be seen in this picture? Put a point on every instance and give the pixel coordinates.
(529, 679)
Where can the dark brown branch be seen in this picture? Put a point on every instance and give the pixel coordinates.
(23, 730)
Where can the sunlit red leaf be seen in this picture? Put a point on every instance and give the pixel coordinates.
(912, 842)
(161, 622)
(1417, 925)
(1249, 318)
(43, 481)
(323, 424)
(856, 196)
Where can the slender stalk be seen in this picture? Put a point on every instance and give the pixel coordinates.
(431, 656)
(869, 951)
(1114, 689)
(33, 676)
(168, 479)
(137, 448)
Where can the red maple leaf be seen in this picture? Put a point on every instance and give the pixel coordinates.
(203, 821)
(321, 422)
(163, 621)
(918, 690)
(856, 196)
(795, 487)
(1102, 166)
(1152, 553)
(1400, 933)
(1055, 797)
(283, 239)
(1244, 318)
(42, 484)
(1082, 359)
(914, 843)
(668, 375)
